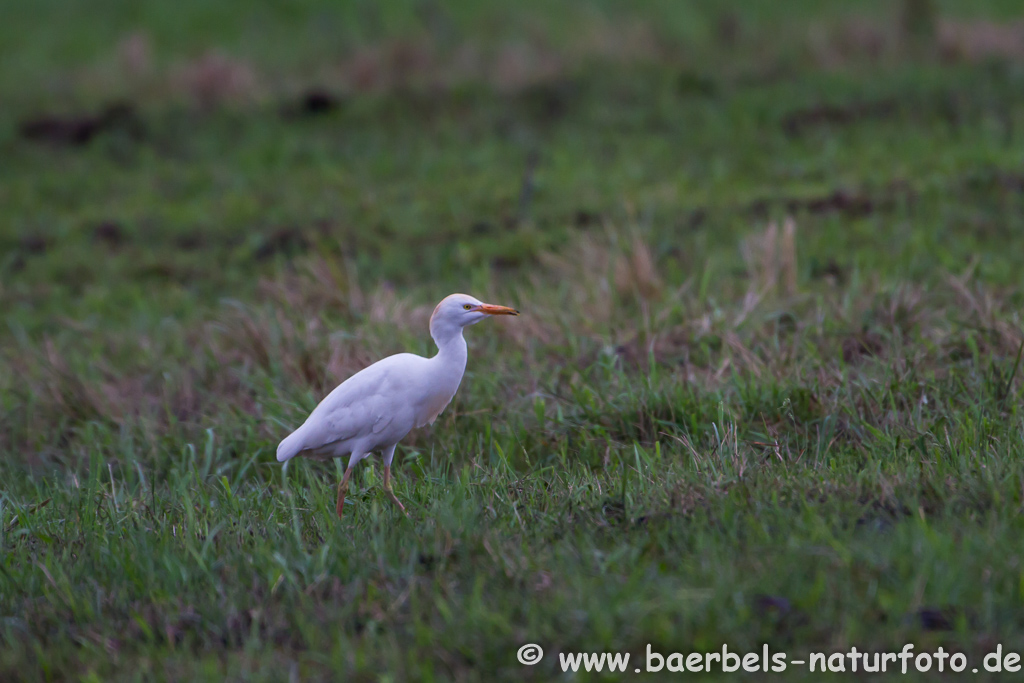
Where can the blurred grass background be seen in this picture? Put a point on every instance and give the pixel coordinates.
(764, 388)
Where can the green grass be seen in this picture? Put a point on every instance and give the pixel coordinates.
(697, 433)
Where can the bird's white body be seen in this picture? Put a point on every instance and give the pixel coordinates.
(376, 407)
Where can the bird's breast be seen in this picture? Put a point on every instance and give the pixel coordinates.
(437, 383)
(433, 405)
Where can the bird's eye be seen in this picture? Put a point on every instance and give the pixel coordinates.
(468, 306)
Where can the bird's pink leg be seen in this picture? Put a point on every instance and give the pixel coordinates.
(342, 490)
(387, 487)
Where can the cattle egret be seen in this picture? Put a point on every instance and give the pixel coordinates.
(376, 407)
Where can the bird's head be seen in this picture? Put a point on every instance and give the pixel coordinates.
(461, 310)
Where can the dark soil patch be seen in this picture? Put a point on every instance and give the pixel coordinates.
(798, 122)
(772, 604)
(985, 179)
(881, 515)
(861, 345)
(190, 241)
(584, 218)
(839, 201)
(79, 130)
(109, 233)
(779, 612)
(36, 244)
(507, 262)
(829, 270)
(313, 102)
(548, 102)
(935, 619)
(851, 203)
(690, 84)
(289, 241)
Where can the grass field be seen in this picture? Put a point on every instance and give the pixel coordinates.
(764, 390)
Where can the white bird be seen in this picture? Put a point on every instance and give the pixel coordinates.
(376, 407)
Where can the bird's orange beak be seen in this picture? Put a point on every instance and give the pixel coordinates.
(491, 309)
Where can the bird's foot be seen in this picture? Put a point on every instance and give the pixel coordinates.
(342, 490)
(398, 503)
(390, 491)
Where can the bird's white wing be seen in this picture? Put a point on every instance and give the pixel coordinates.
(365, 404)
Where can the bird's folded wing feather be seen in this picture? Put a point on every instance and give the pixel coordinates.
(382, 422)
(362, 405)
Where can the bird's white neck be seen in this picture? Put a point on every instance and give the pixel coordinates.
(452, 352)
(450, 361)
(451, 345)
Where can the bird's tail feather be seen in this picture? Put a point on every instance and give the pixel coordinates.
(291, 446)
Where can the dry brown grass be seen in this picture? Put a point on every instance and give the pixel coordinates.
(215, 78)
(980, 40)
(135, 54)
(636, 273)
(314, 326)
(420, 62)
(390, 65)
(920, 32)
(771, 260)
(508, 67)
(133, 71)
(835, 45)
(423, 62)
